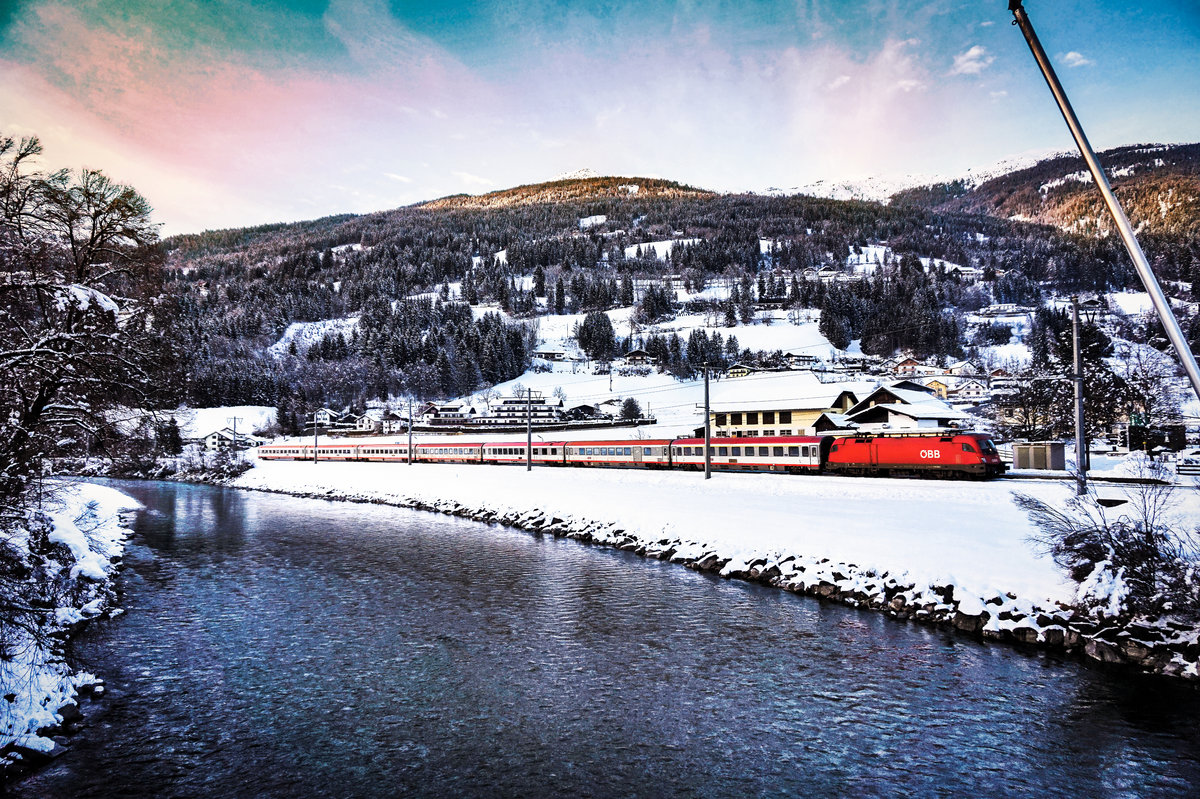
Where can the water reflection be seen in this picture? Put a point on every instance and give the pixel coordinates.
(276, 647)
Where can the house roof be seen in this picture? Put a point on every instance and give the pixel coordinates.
(924, 411)
(777, 391)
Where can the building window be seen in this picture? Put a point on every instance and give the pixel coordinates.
(785, 432)
(735, 418)
(768, 432)
(720, 420)
(752, 417)
(785, 417)
(768, 417)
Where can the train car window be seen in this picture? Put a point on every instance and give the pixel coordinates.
(629, 450)
(645, 451)
(793, 452)
(968, 448)
(711, 452)
(777, 452)
(723, 451)
(737, 451)
(762, 452)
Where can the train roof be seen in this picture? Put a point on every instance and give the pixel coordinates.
(621, 442)
(754, 440)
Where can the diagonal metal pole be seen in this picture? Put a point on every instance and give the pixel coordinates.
(1161, 305)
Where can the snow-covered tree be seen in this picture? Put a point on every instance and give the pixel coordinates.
(79, 325)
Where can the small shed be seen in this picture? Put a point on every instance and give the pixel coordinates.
(1040, 455)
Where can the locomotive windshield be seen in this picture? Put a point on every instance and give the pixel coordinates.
(987, 446)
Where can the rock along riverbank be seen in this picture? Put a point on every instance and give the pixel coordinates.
(1161, 647)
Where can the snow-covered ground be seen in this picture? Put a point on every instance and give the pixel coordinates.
(86, 522)
(198, 422)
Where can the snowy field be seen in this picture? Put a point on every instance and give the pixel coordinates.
(198, 422)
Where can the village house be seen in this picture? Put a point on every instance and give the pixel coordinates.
(969, 391)
(775, 404)
(447, 413)
(225, 440)
(903, 406)
(510, 410)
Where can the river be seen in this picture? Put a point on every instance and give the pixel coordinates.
(274, 646)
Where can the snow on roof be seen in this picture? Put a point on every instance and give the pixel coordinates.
(786, 390)
(926, 410)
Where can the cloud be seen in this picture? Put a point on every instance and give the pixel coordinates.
(972, 62)
(400, 178)
(838, 82)
(472, 180)
(1074, 59)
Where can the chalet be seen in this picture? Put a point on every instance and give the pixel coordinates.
(832, 423)
(1005, 309)
(579, 413)
(901, 408)
(369, 422)
(801, 360)
(511, 410)
(640, 358)
(973, 391)
(555, 354)
(963, 368)
(325, 417)
(225, 440)
(739, 370)
(449, 413)
(393, 423)
(938, 387)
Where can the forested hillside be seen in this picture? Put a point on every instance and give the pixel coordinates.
(1158, 185)
(402, 280)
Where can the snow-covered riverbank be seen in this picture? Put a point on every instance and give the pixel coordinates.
(68, 580)
(946, 552)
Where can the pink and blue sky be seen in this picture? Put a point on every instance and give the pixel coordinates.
(227, 113)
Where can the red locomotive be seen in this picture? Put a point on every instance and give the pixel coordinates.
(947, 454)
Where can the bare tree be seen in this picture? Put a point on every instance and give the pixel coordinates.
(1153, 389)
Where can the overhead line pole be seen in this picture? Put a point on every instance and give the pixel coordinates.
(1081, 461)
(1161, 305)
(707, 430)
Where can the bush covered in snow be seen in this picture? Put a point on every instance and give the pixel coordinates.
(1135, 558)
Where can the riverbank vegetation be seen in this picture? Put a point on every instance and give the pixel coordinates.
(83, 335)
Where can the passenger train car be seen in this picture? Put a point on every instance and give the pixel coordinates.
(935, 454)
